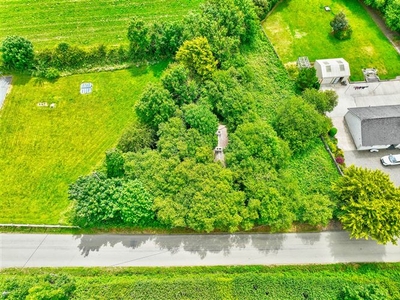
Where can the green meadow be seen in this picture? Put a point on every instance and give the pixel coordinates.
(43, 149)
(302, 28)
(84, 22)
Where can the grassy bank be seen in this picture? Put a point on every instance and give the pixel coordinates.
(302, 28)
(244, 282)
(42, 150)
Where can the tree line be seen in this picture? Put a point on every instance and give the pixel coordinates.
(147, 42)
(390, 10)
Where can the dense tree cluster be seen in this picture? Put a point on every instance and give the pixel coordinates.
(167, 161)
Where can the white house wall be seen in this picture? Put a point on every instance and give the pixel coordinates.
(354, 125)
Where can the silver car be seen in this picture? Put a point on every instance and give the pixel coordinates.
(390, 160)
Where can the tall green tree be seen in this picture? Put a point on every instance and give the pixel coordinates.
(138, 36)
(256, 140)
(230, 100)
(369, 204)
(298, 123)
(323, 101)
(17, 53)
(196, 55)
(201, 118)
(183, 89)
(155, 106)
(114, 163)
(136, 137)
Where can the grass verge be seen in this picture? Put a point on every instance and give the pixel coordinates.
(302, 28)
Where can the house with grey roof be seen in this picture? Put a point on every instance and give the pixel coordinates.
(374, 127)
(332, 71)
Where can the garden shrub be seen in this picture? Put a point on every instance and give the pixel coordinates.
(340, 27)
(340, 160)
(332, 132)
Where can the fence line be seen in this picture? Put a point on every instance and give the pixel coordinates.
(332, 156)
(39, 226)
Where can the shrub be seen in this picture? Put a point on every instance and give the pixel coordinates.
(17, 53)
(51, 73)
(340, 27)
(307, 79)
(332, 132)
(340, 160)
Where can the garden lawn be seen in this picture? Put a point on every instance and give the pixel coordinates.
(302, 28)
(86, 22)
(43, 150)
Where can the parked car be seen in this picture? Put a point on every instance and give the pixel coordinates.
(390, 160)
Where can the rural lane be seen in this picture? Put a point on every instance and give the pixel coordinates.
(50, 250)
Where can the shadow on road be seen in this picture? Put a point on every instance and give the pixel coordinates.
(197, 244)
(344, 249)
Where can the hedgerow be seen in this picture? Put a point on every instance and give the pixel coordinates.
(368, 281)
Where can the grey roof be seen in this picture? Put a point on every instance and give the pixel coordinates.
(376, 112)
(380, 125)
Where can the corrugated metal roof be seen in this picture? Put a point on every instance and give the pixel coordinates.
(376, 112)
(379, 125)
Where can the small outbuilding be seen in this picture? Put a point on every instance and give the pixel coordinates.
(332, 71)
(374, 127)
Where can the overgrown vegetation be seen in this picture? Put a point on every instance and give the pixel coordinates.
(211, 82)
(361, 281)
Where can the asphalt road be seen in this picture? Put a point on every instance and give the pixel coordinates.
(45, 250)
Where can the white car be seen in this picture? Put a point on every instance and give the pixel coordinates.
(390, 160)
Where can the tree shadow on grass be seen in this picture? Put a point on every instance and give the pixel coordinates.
(144, 68)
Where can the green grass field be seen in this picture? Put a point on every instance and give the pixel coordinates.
(83, 22)
(42, 150)
(241, 282)
(301, 28)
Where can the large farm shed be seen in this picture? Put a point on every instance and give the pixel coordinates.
(374, 126)
(332, 71)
